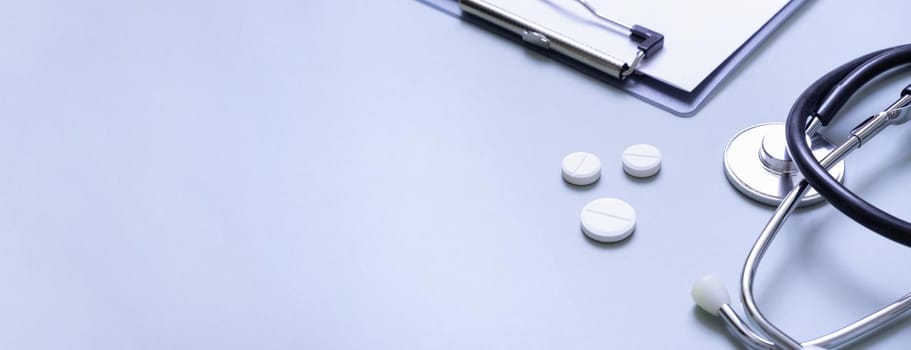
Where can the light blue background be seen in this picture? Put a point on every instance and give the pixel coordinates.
(366, 174)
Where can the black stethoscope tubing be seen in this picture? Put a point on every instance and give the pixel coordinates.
(823, 99)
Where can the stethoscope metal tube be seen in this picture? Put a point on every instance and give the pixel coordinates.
(746, 335)
(838, 86)
(776, 338)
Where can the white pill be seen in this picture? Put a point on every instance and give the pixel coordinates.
(608, 220)
(641, 160)
(581, 168)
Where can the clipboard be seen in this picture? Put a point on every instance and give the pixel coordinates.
(651, 88)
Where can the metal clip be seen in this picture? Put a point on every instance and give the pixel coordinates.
(536, 38)
(899, 110)
(873, 125)
(632, 67)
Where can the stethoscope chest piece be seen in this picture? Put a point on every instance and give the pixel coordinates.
(757, 163)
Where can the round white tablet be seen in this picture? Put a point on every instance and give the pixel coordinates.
(608, 220)
(641, 160)
(581, 168)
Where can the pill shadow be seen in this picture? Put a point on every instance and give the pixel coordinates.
(642, 180)
(578, 188)
(608, 246)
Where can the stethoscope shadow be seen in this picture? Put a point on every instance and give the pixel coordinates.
(811, 231)
(713, 323)
(868, 341)
(807, 253)
(881, 333)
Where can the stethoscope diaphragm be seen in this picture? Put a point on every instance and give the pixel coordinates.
(756, 163)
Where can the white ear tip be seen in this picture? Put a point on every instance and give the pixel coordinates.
(710, 294)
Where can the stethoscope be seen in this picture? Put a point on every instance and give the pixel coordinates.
(759, 165)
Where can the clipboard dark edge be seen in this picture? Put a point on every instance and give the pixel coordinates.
(650, 90)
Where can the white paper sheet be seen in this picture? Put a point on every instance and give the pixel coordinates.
(698, 34)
